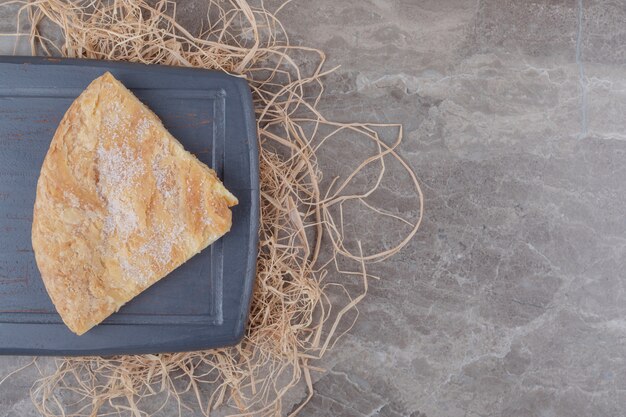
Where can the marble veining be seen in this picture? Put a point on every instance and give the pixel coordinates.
(511, 299)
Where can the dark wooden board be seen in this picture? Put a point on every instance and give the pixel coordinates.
(202, 304)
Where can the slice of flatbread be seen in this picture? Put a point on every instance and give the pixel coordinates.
(120, 204)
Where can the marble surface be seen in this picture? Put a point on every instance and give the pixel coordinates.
(511, 300)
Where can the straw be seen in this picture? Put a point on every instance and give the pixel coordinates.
(303, 242)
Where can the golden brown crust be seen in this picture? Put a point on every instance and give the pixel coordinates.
(120, 204)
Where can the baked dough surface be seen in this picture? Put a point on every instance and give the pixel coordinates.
(119, 205)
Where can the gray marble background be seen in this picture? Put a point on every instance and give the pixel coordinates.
(511, 299)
